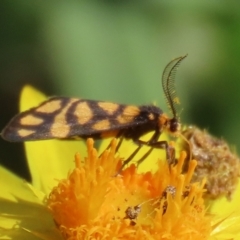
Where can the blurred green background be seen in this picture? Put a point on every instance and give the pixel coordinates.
(116, 51)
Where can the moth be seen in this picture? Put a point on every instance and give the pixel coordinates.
(63, 117)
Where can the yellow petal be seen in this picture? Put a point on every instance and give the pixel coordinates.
(48, 159)
(13, 188)
(224, 206)
(22, 213)
(226, 226)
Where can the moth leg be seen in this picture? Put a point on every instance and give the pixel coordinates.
(129, 159)
(144, 156)
(154, 143)
(119, 143)
(170, 151)
(154, 137)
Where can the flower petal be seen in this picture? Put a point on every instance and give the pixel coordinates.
(13, 188)
(49, 159)
(22, 209)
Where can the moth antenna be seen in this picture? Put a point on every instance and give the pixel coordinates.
(168, 84)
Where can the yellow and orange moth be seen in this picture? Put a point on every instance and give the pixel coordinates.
(63, 117)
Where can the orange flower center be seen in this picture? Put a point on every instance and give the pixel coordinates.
(94, 203)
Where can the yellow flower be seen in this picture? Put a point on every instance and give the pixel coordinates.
(93, 202)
